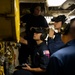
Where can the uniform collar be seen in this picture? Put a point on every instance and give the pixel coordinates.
(41, 44)
(72, 42)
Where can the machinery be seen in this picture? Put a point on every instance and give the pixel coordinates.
(9, 34)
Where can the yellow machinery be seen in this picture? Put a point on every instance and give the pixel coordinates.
(9, 20)
(9, 32)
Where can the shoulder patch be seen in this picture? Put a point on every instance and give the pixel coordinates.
(46, 52)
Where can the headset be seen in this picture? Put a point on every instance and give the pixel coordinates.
(65, 28)
(43, 36)
(40, 30)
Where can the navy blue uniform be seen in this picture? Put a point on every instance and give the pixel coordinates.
(62, 62)
(40, 58)
(55, 44)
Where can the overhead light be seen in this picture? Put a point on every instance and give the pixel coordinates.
(55, 2)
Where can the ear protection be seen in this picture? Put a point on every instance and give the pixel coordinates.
(65, 28)
(43, 36)
(40, 30)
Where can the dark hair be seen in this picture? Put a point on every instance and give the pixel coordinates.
(34, 6)
(59, 18)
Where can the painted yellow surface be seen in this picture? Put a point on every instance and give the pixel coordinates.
(17, 19)
(2, 70)
(9, 20)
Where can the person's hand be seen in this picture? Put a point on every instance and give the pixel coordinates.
(27, 67)
(51, 32)
(22, 40)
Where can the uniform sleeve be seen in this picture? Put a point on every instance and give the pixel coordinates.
(50, 40)
(54, 67)
(51, 43)
(44, 59)
(55, 44)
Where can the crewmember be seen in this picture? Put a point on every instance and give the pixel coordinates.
(62, 62)
(40, 57)
(55, 43)
(32, 20)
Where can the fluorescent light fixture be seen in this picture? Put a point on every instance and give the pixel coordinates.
(48, 19)
(55, 2)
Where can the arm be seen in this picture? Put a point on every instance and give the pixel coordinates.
(33, 69)
(51, 36)
(51, 33)
(44, 59)
(37, 70)
(51, 41)
(22, 40)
